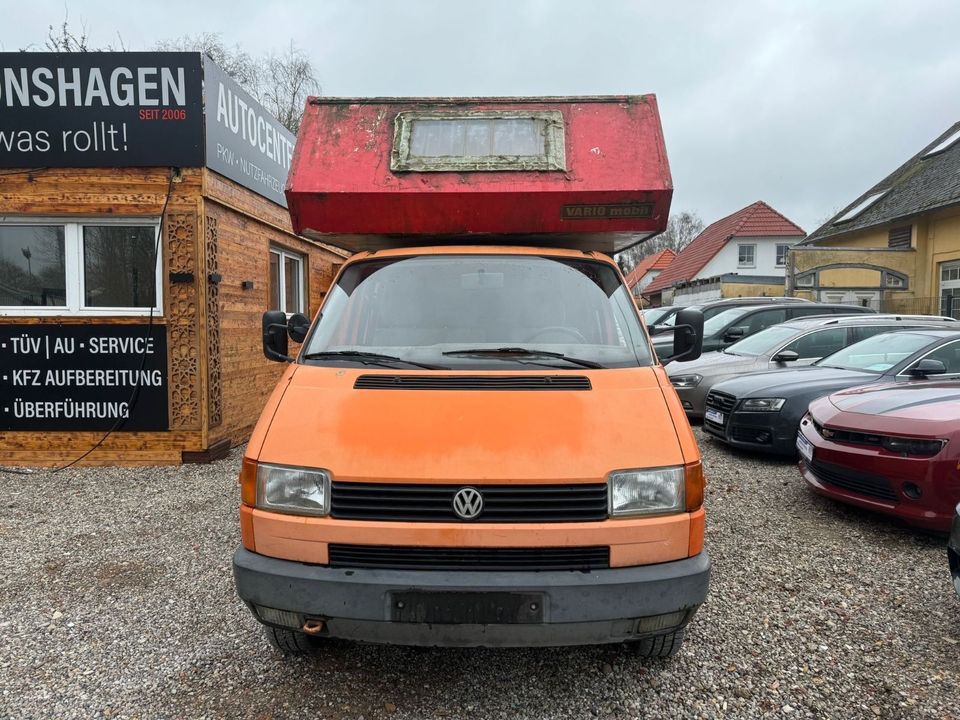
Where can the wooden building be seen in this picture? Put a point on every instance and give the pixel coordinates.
(133, 274)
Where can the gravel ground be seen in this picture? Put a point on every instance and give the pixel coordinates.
(116, 600)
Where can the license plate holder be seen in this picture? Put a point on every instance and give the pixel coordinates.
(804, 447)
(466, 608)
(714, 416)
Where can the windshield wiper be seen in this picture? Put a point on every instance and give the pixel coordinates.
(512, 352)
(368, 358)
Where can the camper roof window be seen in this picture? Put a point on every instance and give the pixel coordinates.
(495, 140)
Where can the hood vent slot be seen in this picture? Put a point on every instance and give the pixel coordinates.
(472, 382)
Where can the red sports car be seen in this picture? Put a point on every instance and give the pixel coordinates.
(890, 448)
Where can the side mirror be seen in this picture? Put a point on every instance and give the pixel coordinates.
(274, 327)
(297, 327)
(688, 335)
(928, 367)
(734, 333)
(785, 356)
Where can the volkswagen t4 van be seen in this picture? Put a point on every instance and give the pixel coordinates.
(473, 442)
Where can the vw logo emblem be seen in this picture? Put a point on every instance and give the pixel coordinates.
(467, 503)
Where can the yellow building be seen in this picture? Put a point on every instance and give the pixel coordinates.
(895, 248)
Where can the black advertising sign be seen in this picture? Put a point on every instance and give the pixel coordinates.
(101, 109)
(82, 377)
(244, 142)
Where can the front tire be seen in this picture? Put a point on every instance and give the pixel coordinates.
(291, 642)
(660, 646)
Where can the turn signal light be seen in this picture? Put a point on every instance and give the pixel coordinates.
(693, 473)
(248, 482)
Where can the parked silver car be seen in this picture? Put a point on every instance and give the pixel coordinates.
(789, 344)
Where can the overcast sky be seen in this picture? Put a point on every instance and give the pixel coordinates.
(801, 104)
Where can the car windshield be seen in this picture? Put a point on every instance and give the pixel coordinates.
(480, 311)
(762, 343)
(878, 353)
(658, 316)
(719, 321)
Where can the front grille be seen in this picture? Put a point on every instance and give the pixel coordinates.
(445, 558)
(501, 503)
(721, 401)
(848, 436)
(472, 382)
(858, 482)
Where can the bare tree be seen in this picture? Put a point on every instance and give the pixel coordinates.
(682, 228)
(280, 82)
(284, 83)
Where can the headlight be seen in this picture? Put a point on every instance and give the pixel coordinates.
(648, 491)
(299, 491)
(762, 404)
(685, 381)
(913, 446)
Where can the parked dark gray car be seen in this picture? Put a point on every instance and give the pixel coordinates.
(791, 344)
(736, 323)
(762, 411)
(664, 316)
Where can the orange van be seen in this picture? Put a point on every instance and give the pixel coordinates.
(475, 443)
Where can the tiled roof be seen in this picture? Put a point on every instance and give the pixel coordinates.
(657, 261)
(756, 220)
(920, 184)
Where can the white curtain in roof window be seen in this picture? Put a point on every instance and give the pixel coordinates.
(478, 137)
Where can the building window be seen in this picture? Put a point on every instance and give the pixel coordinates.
(782, 250)
(478, 141)
(286, 281)
(899, 237)
(747, 256)
(805, 280)
(107, 267)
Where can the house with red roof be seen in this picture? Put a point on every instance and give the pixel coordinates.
(648, 269)
(740, 255)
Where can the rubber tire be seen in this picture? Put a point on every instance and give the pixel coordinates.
(290, 642)
(660, 646)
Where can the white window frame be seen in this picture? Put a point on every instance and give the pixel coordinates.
(74, 269)
(283, 254)
(786, 249)
(753, 263)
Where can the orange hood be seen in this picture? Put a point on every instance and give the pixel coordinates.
(465, 436)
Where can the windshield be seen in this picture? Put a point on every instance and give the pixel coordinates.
(479, 311)
(763, 343)
(658, 316)
(719, 321)
(877, 354)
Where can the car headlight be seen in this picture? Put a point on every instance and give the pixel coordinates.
(762, 404)
(685, 381)
(913, 446)
(299, 491)
(647, 491)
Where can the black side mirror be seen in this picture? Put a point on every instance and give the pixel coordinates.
(928, 367)
(688, 335)
(274, 327)
(785, 356)
(297, 327)
(734, 333)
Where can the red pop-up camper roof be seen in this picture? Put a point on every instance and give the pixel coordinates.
(588, 173)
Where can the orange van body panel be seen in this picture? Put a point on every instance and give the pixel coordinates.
(458, 437)
(632, 541)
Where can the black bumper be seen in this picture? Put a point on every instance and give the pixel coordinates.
(759, 432)
(574, 608)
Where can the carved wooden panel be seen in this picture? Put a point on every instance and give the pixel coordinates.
(214, 390)
(183, 319)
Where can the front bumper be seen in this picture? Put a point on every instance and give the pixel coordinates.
(578, 608)
(757, 431)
